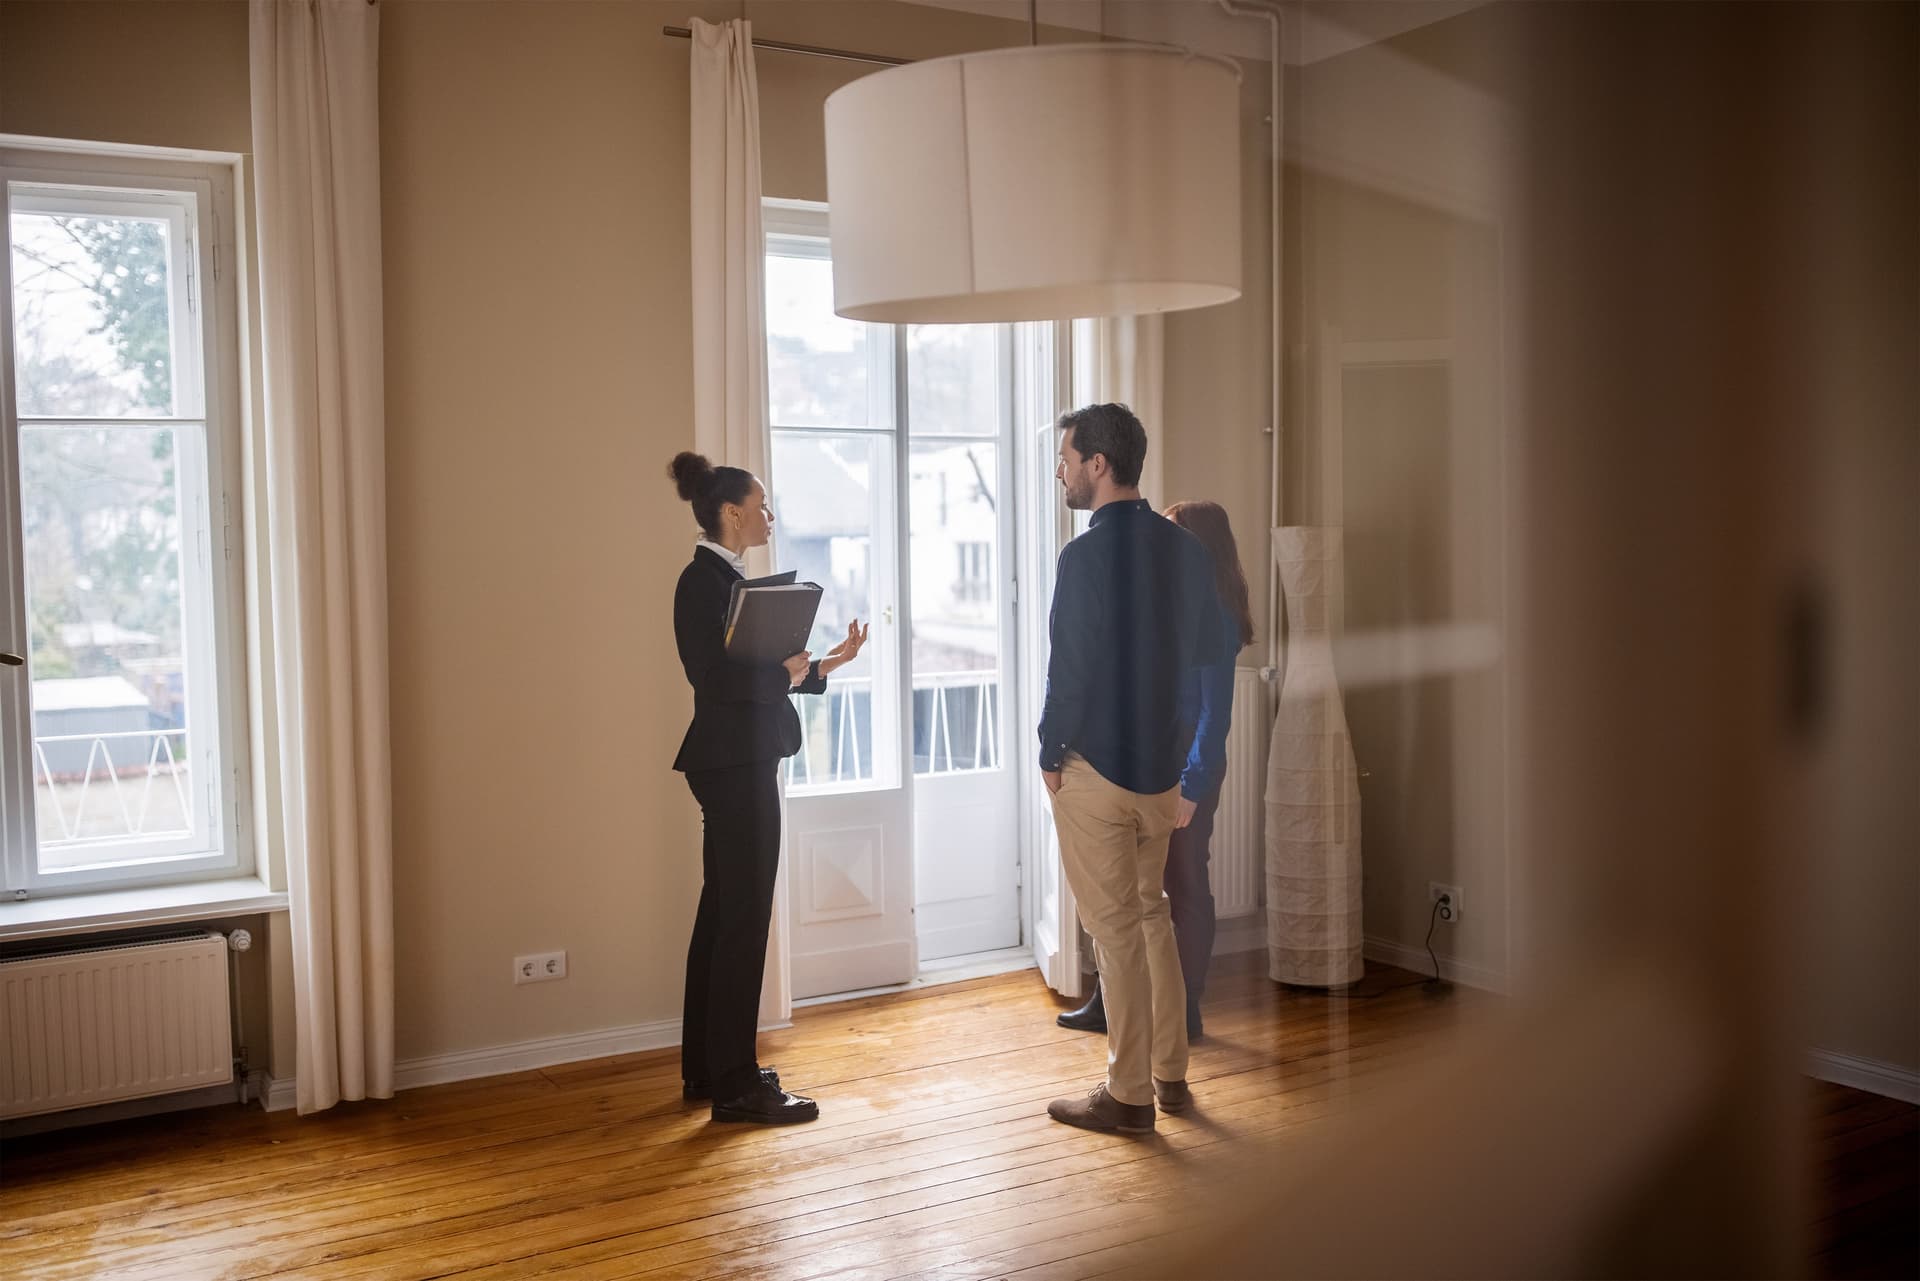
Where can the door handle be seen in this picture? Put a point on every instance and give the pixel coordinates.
(9, 659)
(886, 616)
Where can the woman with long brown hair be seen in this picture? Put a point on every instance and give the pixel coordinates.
(1206, 713)
(1206, 710)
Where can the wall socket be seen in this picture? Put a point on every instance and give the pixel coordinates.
(1435, 889)
(539, 967)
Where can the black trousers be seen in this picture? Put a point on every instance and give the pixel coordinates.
(739, 857)
(1190, 894)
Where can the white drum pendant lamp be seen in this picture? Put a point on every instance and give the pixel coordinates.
(1043, 182)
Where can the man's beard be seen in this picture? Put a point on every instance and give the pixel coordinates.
(1078, 498)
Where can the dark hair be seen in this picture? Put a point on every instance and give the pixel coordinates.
(1208, 522)
(708, 488)
(1111, 430)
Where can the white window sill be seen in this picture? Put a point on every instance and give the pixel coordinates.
(124, 909)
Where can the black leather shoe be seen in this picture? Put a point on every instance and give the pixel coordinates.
(766, 1104)
(1091, 1017)
(701, 1091)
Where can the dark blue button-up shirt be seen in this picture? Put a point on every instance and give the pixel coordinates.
(1134, 610)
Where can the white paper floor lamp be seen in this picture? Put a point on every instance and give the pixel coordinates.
(1314, 930)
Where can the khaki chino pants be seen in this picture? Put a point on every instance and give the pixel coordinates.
(1113, 845)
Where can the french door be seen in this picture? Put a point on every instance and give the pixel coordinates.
(892, 480)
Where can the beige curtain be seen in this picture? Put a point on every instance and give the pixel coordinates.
(1128, 355)
(323, 612)
(729, 321)
(729, 267)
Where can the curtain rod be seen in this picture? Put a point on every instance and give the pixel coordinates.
(781, 46)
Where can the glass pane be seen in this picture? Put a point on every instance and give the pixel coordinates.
(93, 315)
(955, 542)
(822, 371)
(828, 493)
(107, 640)
(953, 380)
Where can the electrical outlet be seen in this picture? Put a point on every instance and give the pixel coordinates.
(1451, 912)
(540, 967)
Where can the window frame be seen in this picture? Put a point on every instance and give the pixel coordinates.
(205, 187)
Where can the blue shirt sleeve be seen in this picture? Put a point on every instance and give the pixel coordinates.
(1206, 767)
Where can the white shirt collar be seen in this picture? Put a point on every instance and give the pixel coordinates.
(739, 562)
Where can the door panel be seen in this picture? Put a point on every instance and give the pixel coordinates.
(966, 798)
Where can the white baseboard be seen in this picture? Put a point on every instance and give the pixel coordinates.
(522, 1056)
(1887, 1079)
(1240, 934)
(280, 1095)
(499, 1060)
(1466, 973)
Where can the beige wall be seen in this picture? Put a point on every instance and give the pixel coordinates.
(1395, 239)
(158, 74)
(1218, 402)
(1400, 236)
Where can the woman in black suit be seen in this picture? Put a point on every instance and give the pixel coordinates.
(743, 726)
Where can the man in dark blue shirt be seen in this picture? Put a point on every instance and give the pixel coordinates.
(1134, 609)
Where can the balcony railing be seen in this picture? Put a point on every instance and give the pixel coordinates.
(62, 800)
(956, 729)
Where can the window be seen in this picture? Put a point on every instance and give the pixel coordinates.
(844, 399)
(959, 388)
(973, 583)
(830, 397)
(120, 747)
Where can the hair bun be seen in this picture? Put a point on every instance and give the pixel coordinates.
(691, 474)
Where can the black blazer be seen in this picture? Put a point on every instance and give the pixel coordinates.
(740, 710)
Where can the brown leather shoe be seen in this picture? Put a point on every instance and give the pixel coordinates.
(1101, 1111)
(1174, 1096)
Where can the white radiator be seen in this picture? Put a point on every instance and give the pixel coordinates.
(92, 1025)
(1239, 843)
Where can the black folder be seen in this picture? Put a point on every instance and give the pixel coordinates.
(769, 619)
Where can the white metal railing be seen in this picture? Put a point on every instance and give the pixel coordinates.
(977, 735)
(72, 828)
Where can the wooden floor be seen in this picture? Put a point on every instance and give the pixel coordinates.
(1866, 1190)
(933, 1156)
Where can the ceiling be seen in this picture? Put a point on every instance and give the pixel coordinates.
(1316, 30)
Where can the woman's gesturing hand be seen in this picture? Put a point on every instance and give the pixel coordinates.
(797, 667)
(847, 650)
